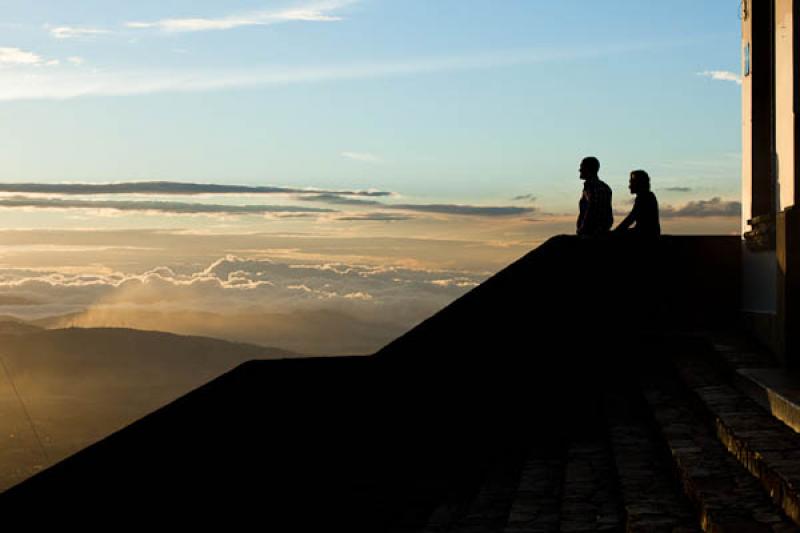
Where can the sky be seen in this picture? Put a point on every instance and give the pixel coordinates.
(405, 149)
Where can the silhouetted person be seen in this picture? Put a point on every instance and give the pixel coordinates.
(644, 215)
(595, 216)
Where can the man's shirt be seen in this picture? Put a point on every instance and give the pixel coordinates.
(595, 215)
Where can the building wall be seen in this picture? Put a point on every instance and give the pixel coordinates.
(784, 104)
(747, 126)
(759, 192)
(759, 277)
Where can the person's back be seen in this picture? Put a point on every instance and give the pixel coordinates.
(595, 214)
(644, 216)
(647, 222)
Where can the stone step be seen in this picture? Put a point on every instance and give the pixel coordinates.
(768, 448)
(537, 503)
(446, 515)
(725, 495)
(590, 498)
(652, 498)
(484, 511)
(739, 352)
(757, 374)
(775, 390)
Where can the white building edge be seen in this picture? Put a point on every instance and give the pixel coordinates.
(770, 188)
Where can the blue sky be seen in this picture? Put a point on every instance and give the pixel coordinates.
(465, 121)
(470, 101)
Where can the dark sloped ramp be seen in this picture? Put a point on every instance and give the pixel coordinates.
(378, 443)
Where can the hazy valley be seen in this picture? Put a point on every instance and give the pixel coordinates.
(79, 385)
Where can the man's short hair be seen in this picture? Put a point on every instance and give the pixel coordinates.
(592, 164)
(642, 177)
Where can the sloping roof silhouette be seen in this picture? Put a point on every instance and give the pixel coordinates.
(380, 443)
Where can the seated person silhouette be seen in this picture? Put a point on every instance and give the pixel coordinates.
(644, 215)
(595, 216)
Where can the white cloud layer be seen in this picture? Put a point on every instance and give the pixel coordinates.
(321, 11)
(240, 282)
(233, 283)
(233, 297)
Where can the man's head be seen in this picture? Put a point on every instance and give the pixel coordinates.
(589, 168)
(640, 182)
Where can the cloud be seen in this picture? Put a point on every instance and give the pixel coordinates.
(677, 189)
(333, 198)
(231, 296)
(59, 85)
(178, 208)
(468, 210)
(321, 11)
(80, 250)
(70, 32)
(715, 207)
(377, 217)
(525, 197)
(15, 56)
(236, 279)
(721, 75)
(443, 209)
(167, 187)
(364, 157)
(76, 60)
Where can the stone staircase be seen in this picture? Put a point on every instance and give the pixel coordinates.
(700, 440)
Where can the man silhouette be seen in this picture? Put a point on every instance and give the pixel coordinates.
(595, 216)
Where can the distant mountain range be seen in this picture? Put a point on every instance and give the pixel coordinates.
(79, 385)
(313, 332)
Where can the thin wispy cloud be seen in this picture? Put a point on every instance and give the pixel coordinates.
(321, 11)
(60, 84)
(467, 210)
(364, 157)
(440, 209)
(375, 217)
(721, 75)
(678, 189)
(175, 208)
(333, 198)
(525, 198)
(168, 188)
(70, 32)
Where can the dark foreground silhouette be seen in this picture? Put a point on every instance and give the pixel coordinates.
(643, 220)
(378, 443)
(595, 215)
